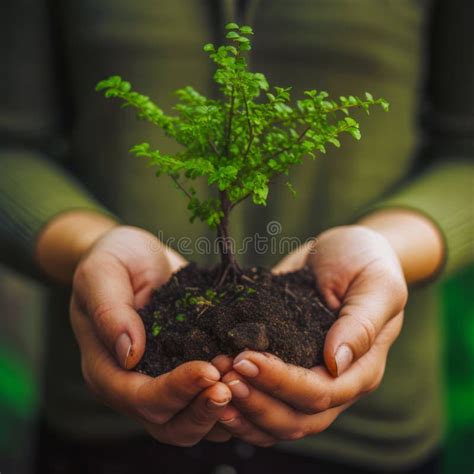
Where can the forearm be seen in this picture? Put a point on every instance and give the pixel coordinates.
(34, 191)
(66, 238)
(415, 238)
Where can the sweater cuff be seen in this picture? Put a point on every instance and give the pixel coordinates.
(33, 190)
(444, 194)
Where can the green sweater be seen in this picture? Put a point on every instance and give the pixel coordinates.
(63, 147)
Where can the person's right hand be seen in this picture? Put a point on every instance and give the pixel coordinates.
(113, 280)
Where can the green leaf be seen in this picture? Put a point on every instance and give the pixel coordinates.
(273, 164)
(209, 47)
(155, 329)
(232, 35)
(232, 26)
(350, 121)
(291, 188)
(141, 149)
(246, 30)
(384, 104)
(355, 132)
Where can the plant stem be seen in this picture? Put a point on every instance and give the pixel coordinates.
(229, 264)
(181, 187)
(229, 123)
(289, 147)
(251, 134)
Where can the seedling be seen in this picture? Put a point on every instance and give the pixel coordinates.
(242, 142)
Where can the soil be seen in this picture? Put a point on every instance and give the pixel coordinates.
(188, 320)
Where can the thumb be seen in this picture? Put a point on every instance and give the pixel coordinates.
(104, 292)
(367, 307)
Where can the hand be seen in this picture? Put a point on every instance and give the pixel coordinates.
(112, 280)
(360, 275)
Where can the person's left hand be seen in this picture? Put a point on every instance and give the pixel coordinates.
(360, 276)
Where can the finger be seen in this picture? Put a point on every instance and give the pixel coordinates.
(369, 304)
(243, 429)
(239, 427)
(263, 413)
(223, 363)
(314, 390)
(106, 296)
(176, 260)
(193, 423)
(295, 260)
(303, 389)
(218, 434)
(153, 399)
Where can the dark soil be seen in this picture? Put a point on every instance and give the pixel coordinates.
(187, 320)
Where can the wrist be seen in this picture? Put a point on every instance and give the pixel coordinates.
(66, 238)
(415, 239)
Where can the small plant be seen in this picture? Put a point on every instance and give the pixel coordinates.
(242, 143)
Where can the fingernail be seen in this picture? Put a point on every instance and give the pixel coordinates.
(123, 349)
(206, 382)
(214, 404)
(238, 389)
(229, 421)
(343, 358)
(213, 376)
(247, 368)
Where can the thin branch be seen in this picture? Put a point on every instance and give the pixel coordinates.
(247, 111)
(240, 200)
(298, 140)
(181, 187)
(229, 122)
(299, 116)
(214, 147)
(251, 134)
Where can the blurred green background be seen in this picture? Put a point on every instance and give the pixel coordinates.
(21, 340)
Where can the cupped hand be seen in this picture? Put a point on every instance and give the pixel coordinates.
(360, 276)
(111, 282)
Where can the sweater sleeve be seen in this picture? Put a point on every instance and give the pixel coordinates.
(442, 187)
(34, 186)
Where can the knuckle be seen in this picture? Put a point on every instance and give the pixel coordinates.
(101, 314)
(276, 385)
(319, 404)
(201, 417)
(151, 416)
(253, 411)
(368, 331)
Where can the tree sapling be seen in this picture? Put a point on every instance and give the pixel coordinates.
(240, 144)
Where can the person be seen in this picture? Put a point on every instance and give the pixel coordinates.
(391, 215)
